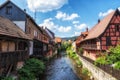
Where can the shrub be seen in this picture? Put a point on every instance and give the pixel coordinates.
(32, 69)
(80, 50)
(79, 63)
(75, 57)
(114, 55)
(7, 78)
(100, 61)
(35, 66)
(25, 74)
(117, 65)
(85, 71)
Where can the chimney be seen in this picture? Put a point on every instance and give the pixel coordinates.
(25, 10)
(87, 29)
(98, 20)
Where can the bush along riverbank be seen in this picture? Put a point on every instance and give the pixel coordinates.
(110, 61)
(33, 69)
(83, 72)
(112, 58)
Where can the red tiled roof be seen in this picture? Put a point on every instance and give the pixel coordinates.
(58, 39)
(8, 28)
(79, 38)
(99, 28)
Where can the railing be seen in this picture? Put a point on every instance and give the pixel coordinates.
(7, 58)
(106, 68)
(40, 53)
(89, 46)
(37, 53)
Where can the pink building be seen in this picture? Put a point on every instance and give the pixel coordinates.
(102, 36)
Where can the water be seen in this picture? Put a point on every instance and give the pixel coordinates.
(60, 68)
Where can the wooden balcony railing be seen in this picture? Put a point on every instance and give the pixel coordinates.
(7, 58)
(89, 46)
(37, 52)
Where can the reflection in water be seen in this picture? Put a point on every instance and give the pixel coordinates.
(60, 68)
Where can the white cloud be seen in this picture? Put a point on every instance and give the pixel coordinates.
(64, 29)
(64, 16)
(49, 24)
(119, 8)
(45, 5)
(81, 26)
(102, 14)
(75, 22)
(76, 33)
(54, 27)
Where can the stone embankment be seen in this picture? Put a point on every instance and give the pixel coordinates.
(97, 73)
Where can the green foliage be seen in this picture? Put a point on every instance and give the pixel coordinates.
(80, 50)
(79, 63)
(114, 55)
(85, 71)
(74, 56)
(64, 46)
(115, 50)
(32, 69)
(69, 50)
(7, 78)
(117, 65)
(25, 74)
(100, 61)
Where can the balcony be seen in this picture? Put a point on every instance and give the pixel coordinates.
(7, 58)
(37, 52)
(90, 46)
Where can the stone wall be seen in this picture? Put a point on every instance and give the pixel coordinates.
(97, 73)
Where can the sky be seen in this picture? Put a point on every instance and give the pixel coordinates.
(67, 18)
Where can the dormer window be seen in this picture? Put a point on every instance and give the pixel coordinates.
(9, 10)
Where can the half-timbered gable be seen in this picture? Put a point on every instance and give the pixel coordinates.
(102, 36)
(111, 35)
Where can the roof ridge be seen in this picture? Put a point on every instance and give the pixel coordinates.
(100, 27)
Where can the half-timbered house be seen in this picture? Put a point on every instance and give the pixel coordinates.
(51, 45)
(26, 23)
(58, 42)
(102, 36)
(45, 40)
(14, 46)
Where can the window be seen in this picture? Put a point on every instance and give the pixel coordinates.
(108, 41)
(35, 33)
(9, 10)
(117, 27)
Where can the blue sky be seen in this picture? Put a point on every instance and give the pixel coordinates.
(67, 18)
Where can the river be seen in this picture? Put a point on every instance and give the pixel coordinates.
(60, 68)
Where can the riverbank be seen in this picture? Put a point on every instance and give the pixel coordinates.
(79, 70)
(97, 73)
